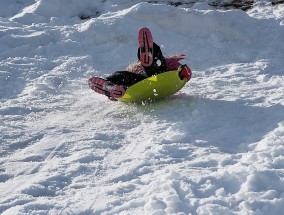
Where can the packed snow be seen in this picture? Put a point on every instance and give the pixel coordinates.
(215, 147)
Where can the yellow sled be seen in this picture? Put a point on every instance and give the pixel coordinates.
(156, 87)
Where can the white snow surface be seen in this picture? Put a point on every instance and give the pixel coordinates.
(216, 147)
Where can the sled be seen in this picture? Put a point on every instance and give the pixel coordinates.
(153, 88)
(157, 87)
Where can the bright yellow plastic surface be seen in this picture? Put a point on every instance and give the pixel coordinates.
(154, 88)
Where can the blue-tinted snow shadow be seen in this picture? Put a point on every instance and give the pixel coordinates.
(9, 87)
(227, 125)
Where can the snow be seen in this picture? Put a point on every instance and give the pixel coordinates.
(216, 147)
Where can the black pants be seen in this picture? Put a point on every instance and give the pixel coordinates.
(125, 78)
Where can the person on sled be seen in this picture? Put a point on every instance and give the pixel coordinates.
(150, 62)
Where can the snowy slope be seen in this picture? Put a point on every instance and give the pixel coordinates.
(216, 147)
